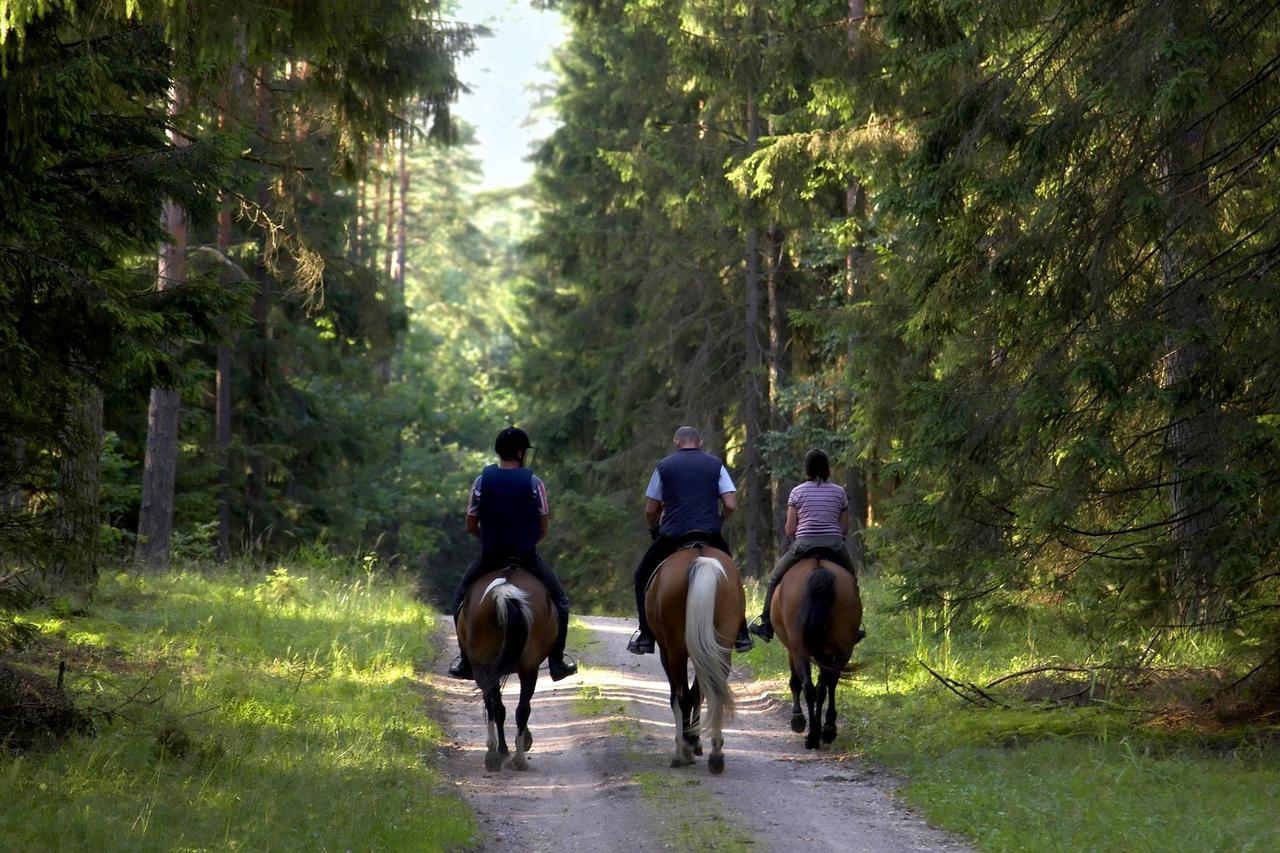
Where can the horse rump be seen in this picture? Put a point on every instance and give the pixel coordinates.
(515, 620)
(815, 615)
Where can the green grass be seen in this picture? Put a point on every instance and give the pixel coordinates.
(1112, 776)
(276, 713)
(684, 814)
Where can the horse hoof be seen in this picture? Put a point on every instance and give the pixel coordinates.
(828, 734)
(528, 739)
(680, 760)
(492, 762)
(697, 747)
(716, 763)
(519, 763)
(811, 742)
(797, 723)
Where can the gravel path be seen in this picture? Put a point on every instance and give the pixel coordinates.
(599, 780)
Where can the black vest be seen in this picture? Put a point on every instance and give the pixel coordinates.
(690, 492)
(509, 513)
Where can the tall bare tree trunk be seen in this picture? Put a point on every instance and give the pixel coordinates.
(752, 479)
(75, 565)
(1193, 424)
(155, 517)
(222, 415)
(259, 355)
(776, 267)
(402, 223)
(390, 244)
(855, 207)
(1191, 439)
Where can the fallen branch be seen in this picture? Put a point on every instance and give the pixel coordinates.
(958, 688)
(1037, 669)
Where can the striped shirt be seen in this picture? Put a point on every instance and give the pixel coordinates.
(818, 507)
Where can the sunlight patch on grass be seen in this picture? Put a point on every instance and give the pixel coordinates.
(1103, 776)
(284, 719)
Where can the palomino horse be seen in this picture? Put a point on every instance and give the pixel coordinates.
(817, 613)
(695, 605)
(508, 625)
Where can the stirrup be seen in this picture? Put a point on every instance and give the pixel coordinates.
(762, 628)
(461, 668)
(743, 642)
(564, 667)
(640, 644)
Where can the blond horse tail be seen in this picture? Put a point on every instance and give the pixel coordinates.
(710, 659)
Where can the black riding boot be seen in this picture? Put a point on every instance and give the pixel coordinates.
(460, 668)
(764, 629)
(557, 664)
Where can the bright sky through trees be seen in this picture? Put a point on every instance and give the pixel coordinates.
(505, 74)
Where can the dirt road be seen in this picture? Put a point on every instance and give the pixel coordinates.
(599, 780)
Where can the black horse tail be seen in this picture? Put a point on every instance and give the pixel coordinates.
(815, 613)
(515, 618)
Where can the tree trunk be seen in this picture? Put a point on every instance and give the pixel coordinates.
(75, 565)
(390, 244)
(375, 229)
(1193, 422)
(855, 208)
(155, 517)
(1192, 439)
(259, 356)
(222, 416)
(752, 480)
(777, 265)
(402, 224)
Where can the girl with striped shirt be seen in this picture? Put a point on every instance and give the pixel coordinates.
(817, 517)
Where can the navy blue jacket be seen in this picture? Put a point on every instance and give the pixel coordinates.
(690, 492)
(510, 516)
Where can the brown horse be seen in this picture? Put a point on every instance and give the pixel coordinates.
(508, 625)
(817, 613)
(695, 604)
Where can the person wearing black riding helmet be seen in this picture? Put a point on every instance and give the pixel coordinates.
(508, 512)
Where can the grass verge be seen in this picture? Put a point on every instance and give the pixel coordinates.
(1122, 775)
(247, 713)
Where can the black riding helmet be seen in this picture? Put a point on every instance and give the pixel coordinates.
(510, 443)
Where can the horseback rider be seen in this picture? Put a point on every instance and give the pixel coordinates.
(689, 497)
(508, 512)
(817, 517)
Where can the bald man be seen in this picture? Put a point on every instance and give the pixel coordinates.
(689, 497)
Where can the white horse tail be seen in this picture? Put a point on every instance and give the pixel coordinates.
(515, 618)
(710, 659)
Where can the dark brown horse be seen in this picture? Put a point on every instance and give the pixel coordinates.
(817, 613)
(695, 604)
(508, 625)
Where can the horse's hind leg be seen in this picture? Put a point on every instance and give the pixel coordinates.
(524, 740)
(693, 719)
(797, 684)
(492, 755)
(677, 678)
(813, 701)
(827, 682)
(715, 726)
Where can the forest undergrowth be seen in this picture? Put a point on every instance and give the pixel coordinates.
(236, 708)
(1074, 755)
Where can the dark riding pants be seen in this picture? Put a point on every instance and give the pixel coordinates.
(833, 543)
(663, 547)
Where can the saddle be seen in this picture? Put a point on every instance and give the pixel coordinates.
(695, 539)
(821, 552)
